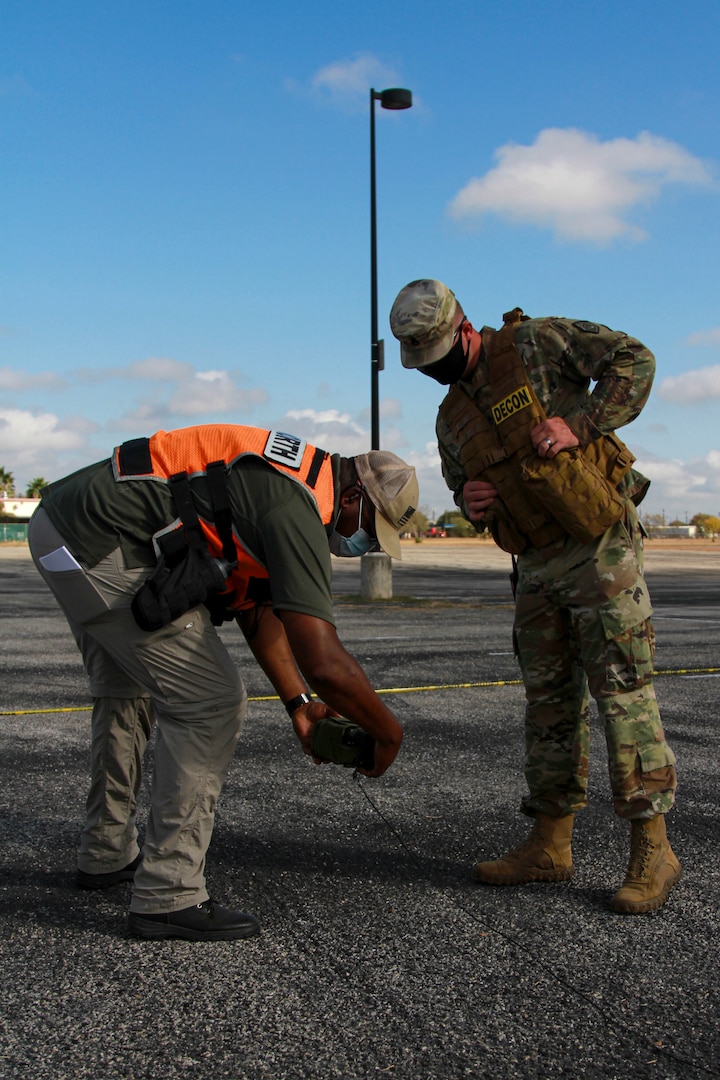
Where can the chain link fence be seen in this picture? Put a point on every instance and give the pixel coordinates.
(13, 531)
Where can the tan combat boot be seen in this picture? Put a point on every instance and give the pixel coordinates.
(652, 871)
(545, 855)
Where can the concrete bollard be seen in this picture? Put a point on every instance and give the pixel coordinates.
(376, 576)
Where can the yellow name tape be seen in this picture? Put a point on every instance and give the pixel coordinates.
(514, 402)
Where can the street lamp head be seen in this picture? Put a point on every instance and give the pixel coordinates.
(395, 98)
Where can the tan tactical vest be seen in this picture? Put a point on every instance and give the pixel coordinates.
(539, 500)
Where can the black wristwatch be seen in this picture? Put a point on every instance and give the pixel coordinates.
(295, 703)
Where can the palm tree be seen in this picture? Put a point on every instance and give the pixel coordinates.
(7, 482)
(35, 487)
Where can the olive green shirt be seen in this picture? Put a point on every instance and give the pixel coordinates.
(274, 516)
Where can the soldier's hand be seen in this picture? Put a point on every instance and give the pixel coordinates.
(478, 496)
(553, 435)
(304, 720)
(385, 752)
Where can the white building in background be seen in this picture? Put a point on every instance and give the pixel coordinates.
(666, 532)
(21, 508)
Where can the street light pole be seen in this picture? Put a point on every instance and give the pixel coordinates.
(389, 99)
(376, 566)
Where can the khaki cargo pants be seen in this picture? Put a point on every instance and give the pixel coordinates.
(183, 675)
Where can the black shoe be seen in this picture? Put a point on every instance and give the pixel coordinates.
(104, 881)
(202, 922)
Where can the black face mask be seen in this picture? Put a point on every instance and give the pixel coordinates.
(450, 368)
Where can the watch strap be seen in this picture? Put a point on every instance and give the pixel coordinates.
(295, 703)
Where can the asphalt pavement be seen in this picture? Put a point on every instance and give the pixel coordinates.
(379, 954)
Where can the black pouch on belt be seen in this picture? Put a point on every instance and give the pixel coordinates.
(174, 589)
(187, 574)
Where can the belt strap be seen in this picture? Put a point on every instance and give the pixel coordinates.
(175, 543)
(220, 498)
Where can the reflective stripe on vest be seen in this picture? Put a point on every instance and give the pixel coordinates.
(192, 449)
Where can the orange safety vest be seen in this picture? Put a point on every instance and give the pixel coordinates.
(199, 451)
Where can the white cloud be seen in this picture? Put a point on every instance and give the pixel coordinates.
(680, 486)
(20, 380)
(183, 392)
(211, 376)
(430, 458)
(348, 82)
(340, 433)
(435, 495)
(326, 416)
(214, 393)
(160, 368)
(335, 431)
(390, 407)
(142, 419)
(27, 440)
(578, 186)
(703, 384)
(704, 337)
(152, 369)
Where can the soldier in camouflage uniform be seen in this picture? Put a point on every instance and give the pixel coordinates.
(583, 614)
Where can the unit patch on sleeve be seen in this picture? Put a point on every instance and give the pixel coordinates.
(285, 449)
(518, 399)
(587, 327)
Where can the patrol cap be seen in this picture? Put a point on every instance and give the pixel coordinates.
(422, 320)
(392, 487)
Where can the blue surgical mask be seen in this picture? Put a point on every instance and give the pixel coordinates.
(349, 547)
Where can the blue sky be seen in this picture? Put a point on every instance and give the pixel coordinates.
(184, 213)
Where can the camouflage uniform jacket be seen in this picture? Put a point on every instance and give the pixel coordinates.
(562, 358)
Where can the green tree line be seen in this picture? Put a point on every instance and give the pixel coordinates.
(7, 485)
(707, 525)
(7, 491)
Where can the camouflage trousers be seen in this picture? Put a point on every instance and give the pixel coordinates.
(582, 620)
